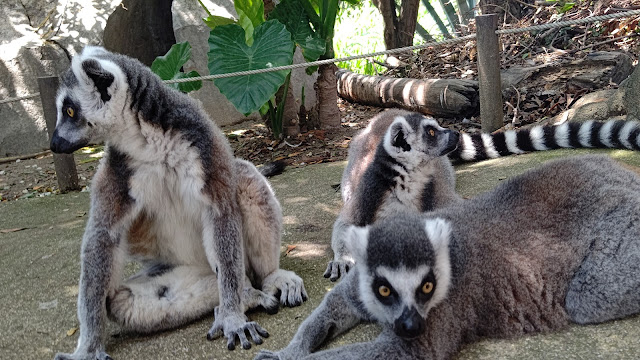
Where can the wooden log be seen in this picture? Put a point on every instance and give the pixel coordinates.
(64, 163)
(436, 97)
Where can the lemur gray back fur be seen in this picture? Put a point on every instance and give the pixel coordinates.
(558, 244)
(169, 193)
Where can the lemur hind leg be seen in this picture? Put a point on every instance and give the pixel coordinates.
(607, 285)
(262, 228)
(162, 297)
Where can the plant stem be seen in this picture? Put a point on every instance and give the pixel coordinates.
(277, 124)
(329, 26)
(312, 15)
(204, 7)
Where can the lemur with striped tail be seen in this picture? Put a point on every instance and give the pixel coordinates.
(398, 162)
(559, 244)
(169, 193)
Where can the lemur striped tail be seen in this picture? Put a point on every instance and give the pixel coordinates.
(618, 134)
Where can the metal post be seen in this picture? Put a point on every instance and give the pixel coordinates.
(64, 164)
(489, 82)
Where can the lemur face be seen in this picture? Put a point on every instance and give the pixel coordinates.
(403, 268)
(87, 101)
(419, 137)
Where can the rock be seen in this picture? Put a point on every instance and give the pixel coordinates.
(23, 57)
(141, 29)
(36, 39)
(75, 24)
(632, 94)
(599, 105)
(188, 26)
(596, 71)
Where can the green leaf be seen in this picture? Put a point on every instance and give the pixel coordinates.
(188, 86)
(293, 15)
(250, 16)
(212, 21)
(168, 67)
(566, 7)
(228, 52)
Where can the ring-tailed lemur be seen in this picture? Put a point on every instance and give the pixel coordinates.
(396, 163)
(558, 244)
(169, 193)
(373, 186)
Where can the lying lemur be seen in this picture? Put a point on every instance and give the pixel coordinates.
(398, 162)
(558, 244)
(170, 194)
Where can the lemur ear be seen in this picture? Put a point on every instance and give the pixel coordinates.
(397, 135)
(356, 240)
(101, 78)
(439, 232)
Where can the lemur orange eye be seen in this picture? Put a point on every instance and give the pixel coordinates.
(431, 132)
(427, 287)
(384, 291)
(70, 112)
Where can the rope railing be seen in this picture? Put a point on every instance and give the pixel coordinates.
(19, 98)
(547, 26)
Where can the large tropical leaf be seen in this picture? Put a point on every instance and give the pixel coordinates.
(213, 20)
(228, 52)
(168, 67)
(250, 16)
(293, 15)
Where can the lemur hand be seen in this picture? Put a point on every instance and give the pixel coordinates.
(233, 325)
(338, 268)
(84, 355)
(267, 355)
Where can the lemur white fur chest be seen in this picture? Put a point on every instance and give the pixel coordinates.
(406, 195)
(167, 186)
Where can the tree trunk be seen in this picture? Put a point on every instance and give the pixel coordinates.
(390, 21)
(437, 97)
(407, 22)
(327, 96)
(398, 29)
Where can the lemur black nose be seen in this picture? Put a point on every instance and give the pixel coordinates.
(410, 324)
(60, 145)
(452, 142)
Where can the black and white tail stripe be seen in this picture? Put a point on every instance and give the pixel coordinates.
(617, 134)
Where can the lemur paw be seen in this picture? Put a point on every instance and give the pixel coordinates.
(337, 268)
(254, 298)
(97, 355)
(119, 305)
(267, 355)
(235, 326)
(287, 286)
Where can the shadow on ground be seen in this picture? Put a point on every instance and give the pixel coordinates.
(39, 271)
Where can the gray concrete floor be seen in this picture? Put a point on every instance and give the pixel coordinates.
(39, 271)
